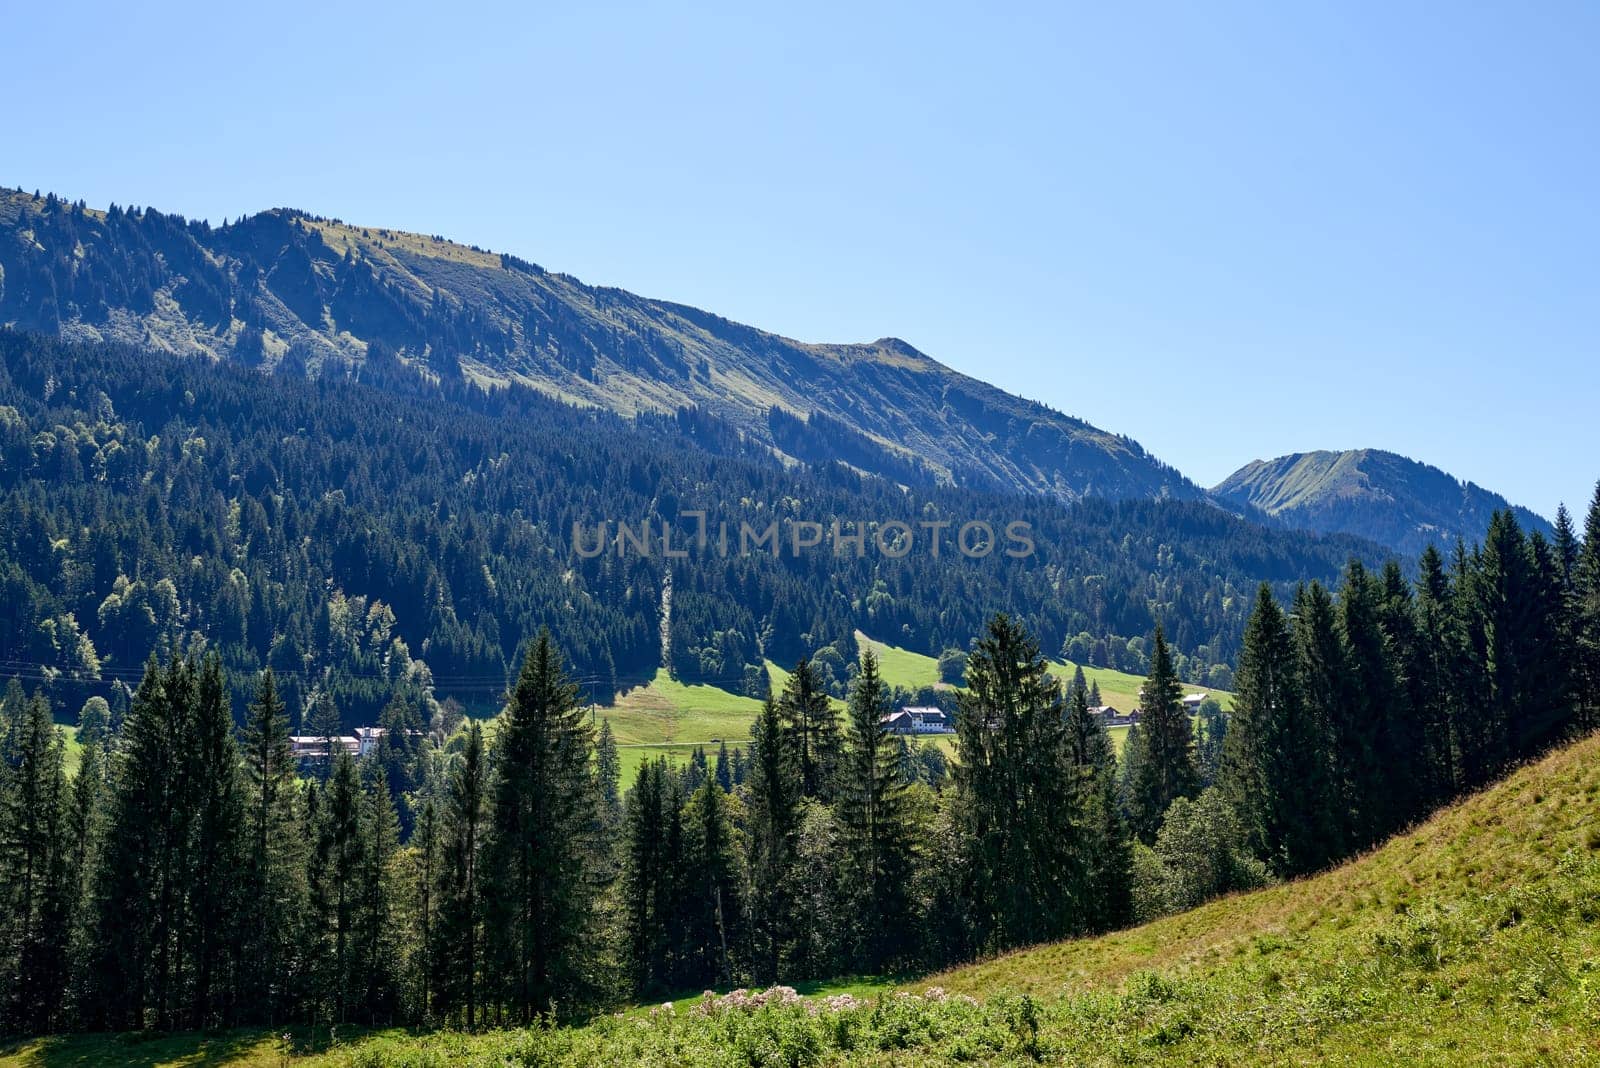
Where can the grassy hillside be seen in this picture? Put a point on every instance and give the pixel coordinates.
(668, 718)
(1472, 940)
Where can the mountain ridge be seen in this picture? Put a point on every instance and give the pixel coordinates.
(1389, 498)
(288, 285)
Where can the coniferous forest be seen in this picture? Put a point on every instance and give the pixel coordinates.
(187, 876)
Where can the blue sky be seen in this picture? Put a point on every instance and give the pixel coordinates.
(1228, 230)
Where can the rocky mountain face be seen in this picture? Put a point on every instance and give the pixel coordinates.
(287, 290)
(1385, 497)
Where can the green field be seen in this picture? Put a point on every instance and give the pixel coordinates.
(669, 718)
(1473, 939)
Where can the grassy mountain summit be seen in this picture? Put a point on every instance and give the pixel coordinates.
(321, 294)
(1383, 496)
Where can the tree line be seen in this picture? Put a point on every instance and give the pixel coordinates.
(188, 875)
(364, 535)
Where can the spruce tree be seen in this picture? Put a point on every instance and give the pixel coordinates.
(1022, 824)
(1091, 754)
(539, 855)
(723, 774)
(1275, 766)
(772, 802)
(425, 843)
(1167, 769)
(459, 936)
(218, 852)
(274, 875)
(35, 873)
(809, 719)
(647, 878)
(713, 910)
(875, 827)
(1375, 770)
(1586, 592)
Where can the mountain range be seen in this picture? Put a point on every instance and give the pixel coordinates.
(287, 290)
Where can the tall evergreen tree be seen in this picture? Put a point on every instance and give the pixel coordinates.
(1376, 771)
(1275, 771)
(459, 937)
(1167, 769)
(1022, 825)
(649, 877)
(713, 910)
(875, 826)
(1586, 591)
(1090, 753)
(772, 803)
(809, 718)
(36, 875)
(539, 857)
(215, 907)
(275, 871)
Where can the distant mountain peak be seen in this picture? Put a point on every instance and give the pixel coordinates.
(1389, 498)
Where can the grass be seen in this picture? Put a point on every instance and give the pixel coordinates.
(1472, 939)
(669, 718)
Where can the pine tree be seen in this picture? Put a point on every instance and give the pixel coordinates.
(1022, 825)
(376, 944)
(335, 877)
(875, 827)
(724, 769)
(274, 875)
(1370, 762)
(1586, 591)
(1437, 667)
(773, 788)
(140, 888)
(713, 910)
(86, 824)
(1090, 753)
(35, 873)
(809, 719)
(647, 878)
(539, 854)
(1167, 769)
(608, 775)
(459, 937)
(218, 852)
(1095, 700)
(1275, 767)
(425, 844)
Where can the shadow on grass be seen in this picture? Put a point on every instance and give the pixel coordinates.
(154, 1049)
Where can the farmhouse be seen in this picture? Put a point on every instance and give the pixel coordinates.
(1193, 701)
(914, 719)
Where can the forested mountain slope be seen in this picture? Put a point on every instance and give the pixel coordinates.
(286, 288)
(1379, 495)
(361, 531)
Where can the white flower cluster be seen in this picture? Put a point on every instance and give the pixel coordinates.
(743, 1000)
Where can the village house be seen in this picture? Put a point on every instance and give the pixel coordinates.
(917, 720)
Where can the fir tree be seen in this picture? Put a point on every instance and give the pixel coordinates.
(713, 911)
(1586, 591)
(35, 873)
(772, 800)
(218, 853)
(723, 773)
(539, 856)
(1090, 753)
(459, 937)
(275, 870)
(809, 719)
(874, 825)
(1275, 757)
(1167, 769)
(1022, 825)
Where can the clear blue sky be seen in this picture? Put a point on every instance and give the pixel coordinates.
(1228, 230)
